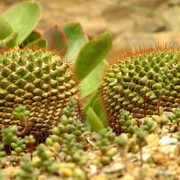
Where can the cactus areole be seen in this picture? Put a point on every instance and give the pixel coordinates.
(39, 80)
(143, 83)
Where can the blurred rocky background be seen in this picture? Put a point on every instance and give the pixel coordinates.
(133, 23)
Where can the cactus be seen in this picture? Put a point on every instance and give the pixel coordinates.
(39, 80)
(143, 83)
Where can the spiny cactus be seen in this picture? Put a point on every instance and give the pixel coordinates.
(142, 83)
(39, 80)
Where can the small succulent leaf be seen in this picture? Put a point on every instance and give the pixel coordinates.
(56, 39)
(40, 43)
(31, 38)
(6, 29)
(76, 39)
(10, 41)
(90, 101)
(92, 54)
(95, 103)
(23, 18)
(93, 80)
(99, 110)
(93, 120)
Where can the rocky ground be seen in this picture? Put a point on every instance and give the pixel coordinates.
(133, 23)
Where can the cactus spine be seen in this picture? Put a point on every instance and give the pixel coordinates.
(142, 83)
(39, 80)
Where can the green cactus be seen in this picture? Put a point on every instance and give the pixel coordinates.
(142, 83)
(39, 80)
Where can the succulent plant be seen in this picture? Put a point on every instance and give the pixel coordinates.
(128, 124)
(66, 137)
(142, 83)
(105, 139)
(44, 162)
(27, 171)
(39, 80)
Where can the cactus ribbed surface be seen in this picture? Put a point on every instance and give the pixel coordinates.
(142, 83)
(39, 80)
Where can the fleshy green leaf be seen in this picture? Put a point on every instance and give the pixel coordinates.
(93, 80)
(10, 41)
(92, 54)
(23, 18)
(31, 38)
(99, 110)
(76, 39)
(93, 120)
(40, 43)
(95, 103)
(56, 39)
(5, 29)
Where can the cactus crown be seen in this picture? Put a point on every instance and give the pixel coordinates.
(142, 83)
(39, 80)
